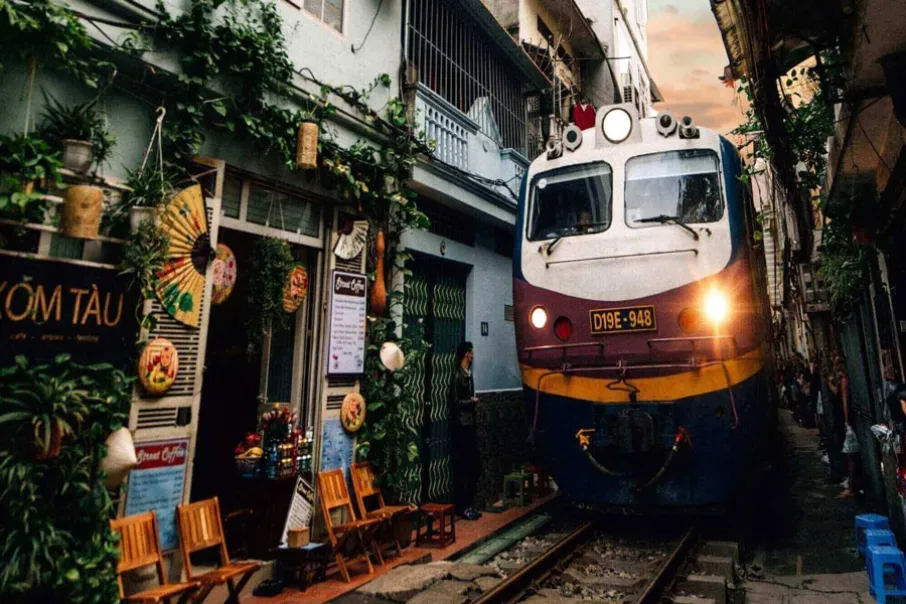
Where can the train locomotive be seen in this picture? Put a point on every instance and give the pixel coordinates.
(642, 321)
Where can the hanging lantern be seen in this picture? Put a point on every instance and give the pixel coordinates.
(81, 217)
(352, 413)
(296, 289)
(224, 274)
(378, 297)
(158, 365)
(391, 356)
(307, 146)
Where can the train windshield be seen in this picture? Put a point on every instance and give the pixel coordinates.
(682, 186)
(576, 201)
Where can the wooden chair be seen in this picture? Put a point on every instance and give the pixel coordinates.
(139, 547)
(334, 495)
(200, 528)
(363, 480)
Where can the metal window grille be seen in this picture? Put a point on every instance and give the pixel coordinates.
(467, 70)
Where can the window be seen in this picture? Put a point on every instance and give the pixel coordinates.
(680, 185)
(328, 11)
(575, 201)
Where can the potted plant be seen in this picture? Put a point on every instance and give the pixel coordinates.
(81, 132)
(149, 190)
(272, 261)
(48, 406)
(25, 159)
(144, 254)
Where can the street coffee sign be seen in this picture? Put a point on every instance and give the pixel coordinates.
(49, 306)
(346, 330)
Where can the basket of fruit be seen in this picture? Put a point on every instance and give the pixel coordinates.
(248, 456)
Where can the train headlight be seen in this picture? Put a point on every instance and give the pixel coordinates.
(538, 317)
(717, 307)
(617, 125)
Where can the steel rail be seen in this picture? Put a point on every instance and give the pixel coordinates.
(514, 586)
(655, 587)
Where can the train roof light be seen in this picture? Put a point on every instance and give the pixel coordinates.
(572, 137)
(617, 125)
(666, 124)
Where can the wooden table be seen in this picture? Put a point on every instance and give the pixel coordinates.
(440, 513)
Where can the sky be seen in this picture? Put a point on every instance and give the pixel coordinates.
(686, 56)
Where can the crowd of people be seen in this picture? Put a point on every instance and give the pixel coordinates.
(818, 394)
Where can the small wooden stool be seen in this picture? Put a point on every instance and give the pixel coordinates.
(309, 562)
(517, 489)
(438, 512)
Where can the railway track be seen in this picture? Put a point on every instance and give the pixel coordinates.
(555, 557)
(623, 576)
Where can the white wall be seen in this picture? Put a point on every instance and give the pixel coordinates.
(488, 289)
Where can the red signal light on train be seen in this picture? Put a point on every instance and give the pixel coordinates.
(563, 328)
(689, 320)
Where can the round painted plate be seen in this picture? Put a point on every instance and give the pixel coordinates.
(352, 413)
(157, 366)
(224, 274)
(296, 288)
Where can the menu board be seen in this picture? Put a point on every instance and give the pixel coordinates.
(157, 484)
(346, 349)
(300, 508)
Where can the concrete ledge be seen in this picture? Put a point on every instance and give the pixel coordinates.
(707, 586)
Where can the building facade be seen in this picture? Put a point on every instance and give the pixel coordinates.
(466, 82)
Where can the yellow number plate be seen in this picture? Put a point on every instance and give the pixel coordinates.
(619, 320)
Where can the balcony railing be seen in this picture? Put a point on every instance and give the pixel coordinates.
(451, 138)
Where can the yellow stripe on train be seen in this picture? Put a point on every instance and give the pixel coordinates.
(656, 389)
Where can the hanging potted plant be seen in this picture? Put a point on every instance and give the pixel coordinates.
(149, 190)
(144, 255)
(307, 144)
(25, 160)
(272, 261)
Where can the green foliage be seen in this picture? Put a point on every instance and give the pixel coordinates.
(48, 33)
(388, 439)
(77, 122)
(144, 255)
(55, 539)
(271, 262)
(26, 160)
(846, 265)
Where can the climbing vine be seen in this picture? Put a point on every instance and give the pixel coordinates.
(808, 96)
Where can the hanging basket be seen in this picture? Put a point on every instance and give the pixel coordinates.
(139, 215)
(82, 205)
(307, 146)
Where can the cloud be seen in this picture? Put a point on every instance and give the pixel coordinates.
(686, 56)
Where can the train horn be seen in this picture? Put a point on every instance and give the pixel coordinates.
(554, 148)
(666, 124)
(687, 129)
(572, 137)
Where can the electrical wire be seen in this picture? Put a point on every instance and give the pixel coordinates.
(368, 33)
(871, 143)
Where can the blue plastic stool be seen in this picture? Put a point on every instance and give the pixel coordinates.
(879, 538)
(868, 522)
(886, 572)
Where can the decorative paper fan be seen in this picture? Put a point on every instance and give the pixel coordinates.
(296, 288)
(224, 274)
(157, 366)
(351, 241)
(181, 281)
(352, 413)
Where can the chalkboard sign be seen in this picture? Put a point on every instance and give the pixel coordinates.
(300, 509)
(49, 306)
(346, 349)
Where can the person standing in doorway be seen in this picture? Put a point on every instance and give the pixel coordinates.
(850, 442)
(466, 461)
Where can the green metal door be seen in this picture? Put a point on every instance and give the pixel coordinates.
(436, 296)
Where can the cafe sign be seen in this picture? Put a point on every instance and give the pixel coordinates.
(49, 306)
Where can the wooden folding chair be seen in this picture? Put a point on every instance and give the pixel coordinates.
(363, 480)
(334, 495)
(200, 528)
(140, 546)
